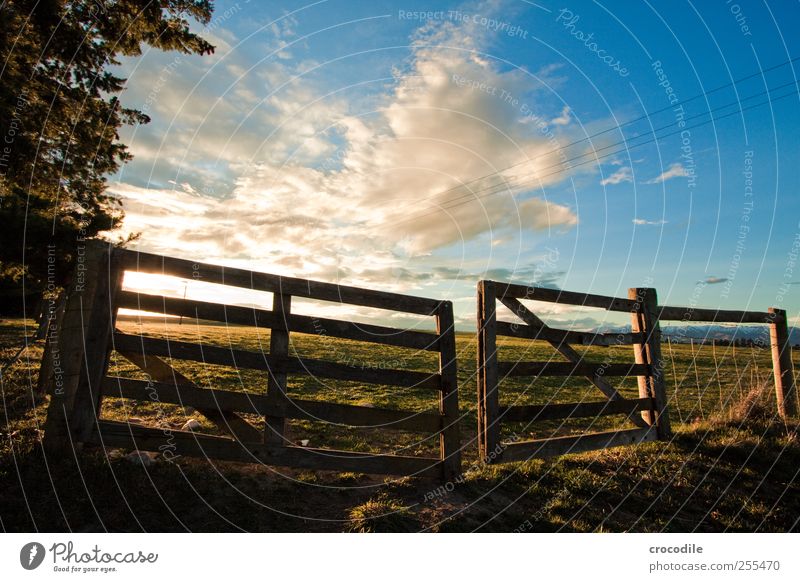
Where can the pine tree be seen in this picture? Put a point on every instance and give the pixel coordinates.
(60, 117)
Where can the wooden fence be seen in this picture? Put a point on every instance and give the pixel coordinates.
(88, 334)
(648, 412)
(645, 337)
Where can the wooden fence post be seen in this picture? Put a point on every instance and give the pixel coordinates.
(785, 387)
(479, 375)
(488, 399)
(640, 350)
(645, 320)
(276, 381)
(83, 347)
(450, 438)
(54, 316)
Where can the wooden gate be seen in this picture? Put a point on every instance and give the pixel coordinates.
(88, 334)
(648, 412)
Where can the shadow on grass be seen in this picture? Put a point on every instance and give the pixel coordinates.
(733, 472)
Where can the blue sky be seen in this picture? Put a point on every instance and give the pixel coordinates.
(342, 141)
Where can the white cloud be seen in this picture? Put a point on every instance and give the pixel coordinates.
(712, 280)
(318, 190)
(674, 171)
(622, 175)
(564, 119)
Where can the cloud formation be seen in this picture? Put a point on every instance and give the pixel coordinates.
(298, 182)
(674, 171)
(712, 280)
(624, 174)
(564, 119)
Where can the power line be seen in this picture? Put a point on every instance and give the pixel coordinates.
(534, 178)
(503, 188)
(621, 125)
(509, 182)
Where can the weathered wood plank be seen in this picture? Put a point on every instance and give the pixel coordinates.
(174, 444)
(54, 314)
(711, 315)
(70, 350)
(523, 451)
(319, 326)
(275, 425)
(537, 412)
(782, 366)
(228, 401)
(512, 291)
(150, 263)
(640, 355)
(648, 302)
(480, 373)
(550, 334)
(361, 416)
(97, 341)
(513, 369)
(259, 361)
(188, 395)
(449, 438)
(160, 371)
(488, 398)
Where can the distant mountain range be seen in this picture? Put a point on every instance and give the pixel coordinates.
(722, 333)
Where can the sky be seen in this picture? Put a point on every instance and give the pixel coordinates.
(419, 147)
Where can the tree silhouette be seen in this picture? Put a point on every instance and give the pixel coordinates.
(59, 121)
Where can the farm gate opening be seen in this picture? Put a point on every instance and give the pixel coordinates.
(88, 334)
(779, 340)
(649, 412)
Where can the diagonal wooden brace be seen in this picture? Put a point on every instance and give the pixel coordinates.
(567, 351)
(160, 371)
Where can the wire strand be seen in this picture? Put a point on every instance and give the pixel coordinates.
(530, 179)
(624, 124)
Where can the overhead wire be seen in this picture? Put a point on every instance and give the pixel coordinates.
(485, 192)
(632, 121)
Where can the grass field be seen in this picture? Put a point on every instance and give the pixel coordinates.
(731, 466)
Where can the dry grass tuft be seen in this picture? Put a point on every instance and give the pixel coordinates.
(382, 513)
(755, 404)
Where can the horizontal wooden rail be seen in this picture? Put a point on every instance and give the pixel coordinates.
(567, 337)
(552, 447)
(158, 370)
(364, 417)
(260, 361)
(512, 369)
(150, 263)
(228, 401)
(565, 297)
(712, 315)
(526, 413)
(319, 326)
(190, 444)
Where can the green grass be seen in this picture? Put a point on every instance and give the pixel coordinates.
(731, 465)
